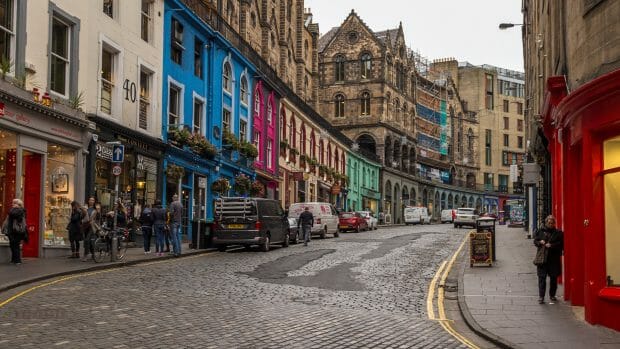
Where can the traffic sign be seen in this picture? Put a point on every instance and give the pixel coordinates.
(118, 153)
(116, 170)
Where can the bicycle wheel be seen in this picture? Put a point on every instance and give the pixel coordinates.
(100, 250)
(123, 243)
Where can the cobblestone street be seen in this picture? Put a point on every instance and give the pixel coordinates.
(364, 290)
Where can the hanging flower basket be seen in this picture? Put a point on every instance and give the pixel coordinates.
(179, 137)
(220, 186)
(242, 185)
(248, 150)
(230, 139)
(258, 189)
(174, 173)
(201, 146)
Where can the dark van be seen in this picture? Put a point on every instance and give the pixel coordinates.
(249, 221)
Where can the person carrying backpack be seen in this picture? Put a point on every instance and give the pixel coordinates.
(147, 218)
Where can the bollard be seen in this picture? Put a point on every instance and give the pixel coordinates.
(114, 248)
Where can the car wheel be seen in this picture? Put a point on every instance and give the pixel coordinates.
(357, 230)
(324, 233)
(265, 246)
(337, 233)
(287, 238)
(456, 226)
(221, 248)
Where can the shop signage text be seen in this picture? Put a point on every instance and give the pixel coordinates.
(133, 142)
(104, 151)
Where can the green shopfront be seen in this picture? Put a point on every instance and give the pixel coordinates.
(363, 188)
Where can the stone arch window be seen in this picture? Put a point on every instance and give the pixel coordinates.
(312, 145)
(339, 106)
(336, 160)
(302, 140)
(329, 154)
(396, 109)
(227, 77)
(339, 68)
(366, 66)
(243, 89)
(321, 152)
(389, 69)
(293, 135)
(365, 103)
(283, 123)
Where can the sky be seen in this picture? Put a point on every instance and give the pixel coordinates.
(464, 29)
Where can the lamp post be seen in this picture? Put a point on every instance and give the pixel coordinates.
(503, 26)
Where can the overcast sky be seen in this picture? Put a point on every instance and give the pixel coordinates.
(464, 29)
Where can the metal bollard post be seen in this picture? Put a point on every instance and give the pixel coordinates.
(114, 247)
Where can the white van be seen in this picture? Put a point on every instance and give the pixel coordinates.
(325, 217)
(447, 216)
(417, 215)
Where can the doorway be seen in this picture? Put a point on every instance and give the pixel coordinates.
(31, 183)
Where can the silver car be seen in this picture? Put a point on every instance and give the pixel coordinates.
(370, 219)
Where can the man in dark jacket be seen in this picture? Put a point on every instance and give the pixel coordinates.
(551, 239)
(15, 228)
(146, 225)
(159, 222)
(306, 221)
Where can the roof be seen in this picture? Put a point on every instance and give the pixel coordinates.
(383, 36)
(327, 38)
(390, 34)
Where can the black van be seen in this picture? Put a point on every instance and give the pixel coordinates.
(249, 221)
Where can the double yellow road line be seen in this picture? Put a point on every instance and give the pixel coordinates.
(440, 276)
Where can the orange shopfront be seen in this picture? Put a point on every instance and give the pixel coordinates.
(583, 129)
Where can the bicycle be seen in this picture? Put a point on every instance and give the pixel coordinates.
(102, 246)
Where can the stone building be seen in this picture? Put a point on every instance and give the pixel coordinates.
(572, 65)
(368, 89)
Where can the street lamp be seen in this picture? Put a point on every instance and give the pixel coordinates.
(508, 25)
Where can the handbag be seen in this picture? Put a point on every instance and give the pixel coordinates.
(541, 256)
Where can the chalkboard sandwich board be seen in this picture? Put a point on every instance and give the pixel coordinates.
(480, 249)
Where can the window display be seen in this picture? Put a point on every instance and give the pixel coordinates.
(8, 172)
(59, 192)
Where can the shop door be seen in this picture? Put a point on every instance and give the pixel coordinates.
(31, 177)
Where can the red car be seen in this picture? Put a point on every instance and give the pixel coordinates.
(352, 221)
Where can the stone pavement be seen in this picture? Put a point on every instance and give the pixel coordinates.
(501, 303)
(37, 269)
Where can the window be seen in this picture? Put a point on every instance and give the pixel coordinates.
(243, 130)
(283, 124)
(519, 108)
(488, 181)
(520, 125)
(506, 141)
(488, 102)
(197, 124)
(339, 70)
(520, 142)
(243, 90)
(176, 49)
(145, 99)
(365, 103)
(108, 74)
(257, 144)
(269, 147)
(174, 105)
(487, 149)
(108, 8)
(7, 31)
(226, 120)
(257, 103)
(506, 106)
(59, 74)
(227, 77)
(302, 140)
(506, 123)
(503, 183)
(198, 58)
(146, 20)
(269, 114)
(366, 66)
(470, 142)
(339, 106)
(611, 185)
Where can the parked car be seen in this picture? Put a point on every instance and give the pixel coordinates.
(294, 231)
(447, 216)
(249, 221)
(417, 215)
(465, 216)
(325, 217)
(352, 221)
(489, 214)
(370, 219)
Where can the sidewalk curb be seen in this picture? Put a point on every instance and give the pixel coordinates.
(471, 322)
(98, 267)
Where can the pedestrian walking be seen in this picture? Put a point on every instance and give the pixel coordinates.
(14, 227)
(176, 212)
(90, 228)
(146, 220)
(75, 228)
(159, 222)
(306, 221)
(550, 242)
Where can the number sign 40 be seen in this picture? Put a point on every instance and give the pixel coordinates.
(131, 92)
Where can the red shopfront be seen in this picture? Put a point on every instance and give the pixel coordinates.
(583, 129)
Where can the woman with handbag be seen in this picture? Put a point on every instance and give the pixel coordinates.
(550, 243)
(15, 228)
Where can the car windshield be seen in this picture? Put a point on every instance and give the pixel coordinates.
(347, 215)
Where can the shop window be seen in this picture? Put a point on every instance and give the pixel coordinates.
(611, 176)
(8, 174)
(59, 192)
(146, 20)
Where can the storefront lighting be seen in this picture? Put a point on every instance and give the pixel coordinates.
(140, 184)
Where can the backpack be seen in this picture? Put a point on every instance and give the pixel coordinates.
(147, 217)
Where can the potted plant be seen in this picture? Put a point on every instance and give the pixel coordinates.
(230, 139)
(220, 186)
(201, 146)
(248, 150)
(243, 184)
(174, 173)
(179, 137)
(294, 151)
